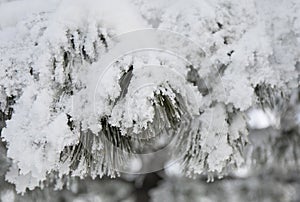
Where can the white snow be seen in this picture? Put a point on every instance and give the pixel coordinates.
(51, 59)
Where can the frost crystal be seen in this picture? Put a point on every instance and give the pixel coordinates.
(64, 114)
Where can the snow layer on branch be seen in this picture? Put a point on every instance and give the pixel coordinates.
(49, 57)
(44, 50)
(252, 42)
